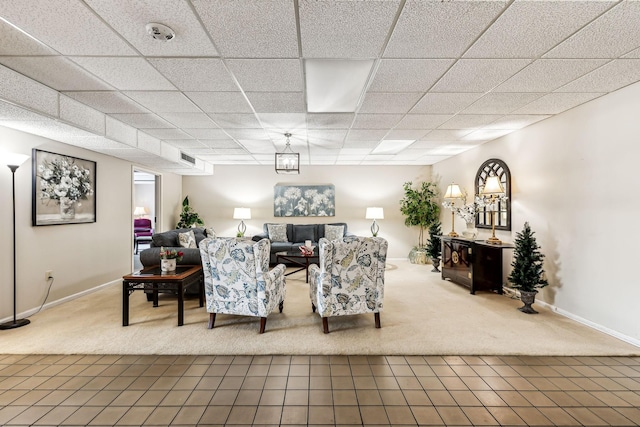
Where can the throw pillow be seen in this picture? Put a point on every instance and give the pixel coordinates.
(301, 233)
(333, 232)
(210, 232)
(187, 240)
(277, 232)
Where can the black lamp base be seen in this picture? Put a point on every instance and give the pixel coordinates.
(14, 324)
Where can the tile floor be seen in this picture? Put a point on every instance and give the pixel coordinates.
(318, 390)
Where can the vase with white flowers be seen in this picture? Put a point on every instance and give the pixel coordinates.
(65, 182)
(468, 212)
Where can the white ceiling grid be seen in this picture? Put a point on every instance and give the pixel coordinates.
(450, 75)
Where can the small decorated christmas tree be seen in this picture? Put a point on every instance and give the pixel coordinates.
(434, 247)
(527, 274)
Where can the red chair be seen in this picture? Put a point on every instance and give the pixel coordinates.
(142, 231)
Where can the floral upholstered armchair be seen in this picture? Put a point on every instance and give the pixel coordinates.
(349, 279)
(237, 279)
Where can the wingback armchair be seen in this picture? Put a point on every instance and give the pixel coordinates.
(349, 279)
(237, 278)
(142, 231)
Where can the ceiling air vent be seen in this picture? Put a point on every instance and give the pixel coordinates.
(187, 158)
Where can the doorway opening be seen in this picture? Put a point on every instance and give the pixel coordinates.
(146, 211)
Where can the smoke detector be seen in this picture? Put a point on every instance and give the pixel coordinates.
(160, 32)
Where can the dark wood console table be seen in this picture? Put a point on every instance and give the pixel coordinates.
(473, 263)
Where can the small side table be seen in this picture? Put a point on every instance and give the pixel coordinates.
(155, 279)
(298, 259)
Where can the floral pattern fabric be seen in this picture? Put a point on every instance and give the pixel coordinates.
(277, 232)
(237, 279)
(350, 277)
(187, 240)
(333, 232)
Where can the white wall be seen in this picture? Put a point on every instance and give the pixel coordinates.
(357, 187)
(573, 179)
(82, 256)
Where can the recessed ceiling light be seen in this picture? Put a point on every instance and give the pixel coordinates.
(160, 31)
(335, 86)
(392, 146)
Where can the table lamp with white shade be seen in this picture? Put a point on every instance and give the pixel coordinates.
(241, 214)
(491, 190)
(374, 213)
(452, 194)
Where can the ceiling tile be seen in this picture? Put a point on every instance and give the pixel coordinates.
(545, 75)
(125, 73)
(129, 18)
(258, 29)
(282, 121)
(144, 120)
(189, 120)
(433, 29)
(326, 138)
(345, 29)
(612, 76)
(613, 34)
(422, 121)
(527, 29)
(515, 121)
(478, 75)
(196, 74)
(68, 26)
(148, 143)
(204, 133)
(15, 42)
(406, 133)
(235, 120)
(220, 143)
(376, 121)
(220, 102)
(378, 102)
(444, 103)
(500, 103)
(418, 75)
(107, 102)
(56, 72)
(15, 113)
(79, 114)
(163, 101)
(366, 134)
(255, 134)
(469, 121)
(555, 103)
(24, 91)
(122, 132)
(329, 120)
(258, 146)
(267, 75)
(277, 102)
(168, 134)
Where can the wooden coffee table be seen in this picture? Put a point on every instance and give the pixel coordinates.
(298, 259)
(152, 278)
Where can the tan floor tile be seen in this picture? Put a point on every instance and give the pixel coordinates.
(97, 383)
(361, 370)
(585, 416)
(275, 383)
(321, 415)
(426, 415)
(409, 383)
(103, 398)
(506, 416)
(294, 415)
(278, 370)
(342, 383)
(246, 397)
(475, 383)
(392, 397)
(79, 398)
(369, 397)
(479, 416)
(202, 398)
(416, 397)
(320, 397)
(532, 416)
(298, 383)
(453, 383)
(511, 398)
(208, 383)
(565, 384)
(387, 383)
(465, 398)
(127, 397)
(144, 383)
(453, 416)
(238, 370)
(272, 397)
(612, 416)
(268, 415)
(498, 383)
(175, 398)
(296, 397)
(441, 398)
(400, 415)
(30, 415)
(381, 371)
(215, 415)
(224, 397)
(319, 370)
(253, 383)
(299, 370)
(561, 398)
(83, 416)
(231, 383)
(365, 383)
(610, 398)
(344, 398)
(109, 416)
(464, 371)
(340, 370)
(443, 371)
(242, 415)
(57, 415)
(630, 397)
(489, 398)
(538, 398)
(631, 413)
(28, 398)
(423, 371)
(402, 370)
(186, 383)
(431, 383)
(135, 416)
(347, 415)
(374, 415)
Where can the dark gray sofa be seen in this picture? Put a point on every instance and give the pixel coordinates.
(296, 236)
(169, 240)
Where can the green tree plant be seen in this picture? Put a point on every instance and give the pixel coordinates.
(527, 274)
(434, 246)
(188, 217)
(419, 206)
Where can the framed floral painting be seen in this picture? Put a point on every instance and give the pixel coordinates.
(304, 200)
(64, 189)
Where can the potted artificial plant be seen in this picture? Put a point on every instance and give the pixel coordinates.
(188, 217)
(527, 275)
(420, 208)
(434, 247)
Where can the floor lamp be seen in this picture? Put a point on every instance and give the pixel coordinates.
(13, 161)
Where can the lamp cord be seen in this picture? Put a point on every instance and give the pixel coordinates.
(46, 296)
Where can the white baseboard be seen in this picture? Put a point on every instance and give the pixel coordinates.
(32, 311)
(579, 319)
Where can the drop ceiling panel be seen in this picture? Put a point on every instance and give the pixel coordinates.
(196, 74)
(282, 121)
(325, 25)
(125, 73)
(326, 138)
(15, 42)
(478, 75)
(129, 18)
(14, 113)
(555, 103)
(500, 103)
(469, 121)
(515, 121)
(406, 134)
(367, 134)
(445, 135)
(235, 120)
(56, 72)
(527, 29)
(168, 134)
(444, 103)
(376, 121)
(613, 34)
(204, 133)
(378, 102)
(422, 121)
(68, 26)
(431, 29)
(267, 75)
(612, 76)
(250, 28)
(220, 102)
(277, 102)
(220, 143)
(418, 75)
(254, 146)
(329, 121)
(163, 101)
(107, 102)
(143, 121)
(24, 91)
(370, 145)
(189, 120)
(121, 132)
(72, 111)
(255, 134)
(148, 143)
(545, 75)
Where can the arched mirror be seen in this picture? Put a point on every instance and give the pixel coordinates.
(503, 216)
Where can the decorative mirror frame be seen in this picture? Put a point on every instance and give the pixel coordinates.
(501, 170)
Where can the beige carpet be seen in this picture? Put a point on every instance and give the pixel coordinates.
(422, 315)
